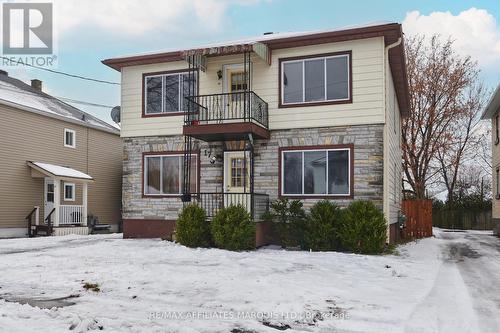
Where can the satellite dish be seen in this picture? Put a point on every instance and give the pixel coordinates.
(115, 114)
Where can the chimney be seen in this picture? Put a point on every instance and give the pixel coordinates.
(2, 72)
(36, 84)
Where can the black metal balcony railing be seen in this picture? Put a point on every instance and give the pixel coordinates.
(255, 203)
(227, 107)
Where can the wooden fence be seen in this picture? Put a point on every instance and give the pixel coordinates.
(462, 219)
(418, 218)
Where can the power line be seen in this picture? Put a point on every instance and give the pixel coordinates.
(70, 100)
(62, 73)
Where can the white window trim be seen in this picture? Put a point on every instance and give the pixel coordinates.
(73, 186)
(181, 102)
(181, 161)
(349, 152)
(282, 97)
(67, 130)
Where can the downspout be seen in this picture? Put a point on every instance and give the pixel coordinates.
(386, 199)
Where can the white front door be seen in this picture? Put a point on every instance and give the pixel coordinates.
(48, 196)
(237, 178)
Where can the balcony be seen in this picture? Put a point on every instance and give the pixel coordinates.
(255, 203)
(227, 116)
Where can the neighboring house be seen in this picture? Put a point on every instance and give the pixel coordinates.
(492, 112)
(63, 161)
(306, 116)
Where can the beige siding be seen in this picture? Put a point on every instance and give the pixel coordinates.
(26, 136)
(392, 151)
(105, 166)
(367, 76)
(496, 164)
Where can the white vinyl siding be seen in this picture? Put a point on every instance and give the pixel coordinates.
(367, 105)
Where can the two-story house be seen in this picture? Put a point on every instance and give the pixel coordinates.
(306, 116)
(492, 112)
(58, 164)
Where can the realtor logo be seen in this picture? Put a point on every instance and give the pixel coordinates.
(27, 28)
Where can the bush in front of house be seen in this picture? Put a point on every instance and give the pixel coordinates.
(321, 228)
(233, 229)
(288, 221)
(192, 228)
(363, 228)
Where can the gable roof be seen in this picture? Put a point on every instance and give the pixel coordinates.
(493, 105)
(391, 32)
(19, 95)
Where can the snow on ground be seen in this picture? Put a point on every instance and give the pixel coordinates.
(158, 286)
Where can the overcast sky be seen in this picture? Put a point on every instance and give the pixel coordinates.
(91, 30)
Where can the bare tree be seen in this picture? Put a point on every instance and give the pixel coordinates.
(437, 78)
(464, 140)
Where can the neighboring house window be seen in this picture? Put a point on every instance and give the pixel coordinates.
(163, 174)
(69, 191)
(69, 138)
(316, 79)
(316, 172)
(497, 130)
(164, 93)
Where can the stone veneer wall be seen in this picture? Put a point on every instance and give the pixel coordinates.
(368, 166)
(368, 158)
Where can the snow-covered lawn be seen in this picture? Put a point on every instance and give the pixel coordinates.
(158, 286)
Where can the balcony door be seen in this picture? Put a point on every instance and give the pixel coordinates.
(237, 178)
(235, 84)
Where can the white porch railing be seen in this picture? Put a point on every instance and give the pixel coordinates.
(70, 214)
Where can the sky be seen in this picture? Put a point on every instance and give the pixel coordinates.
(88, 31)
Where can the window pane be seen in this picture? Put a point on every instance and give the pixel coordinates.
(152, 185)
(171, 175)
(315, 172)
(337, 78)
(188, 82)
(315, 80)
(338, 172)
(172, 93)
(153, 94)
(292, 82)
(68, 192)
(292, 173)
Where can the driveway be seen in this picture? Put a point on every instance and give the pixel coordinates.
(466, 292)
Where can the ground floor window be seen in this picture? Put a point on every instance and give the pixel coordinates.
(164, 173)
(69, 192)
(316, 171)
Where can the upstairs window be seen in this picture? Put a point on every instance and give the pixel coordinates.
(164, 93)
(69, 138)
(321, 79)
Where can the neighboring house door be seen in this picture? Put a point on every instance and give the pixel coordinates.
(235, 84)
(48, 196)
(237, 179)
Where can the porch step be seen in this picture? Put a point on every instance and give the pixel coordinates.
(41, 228)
